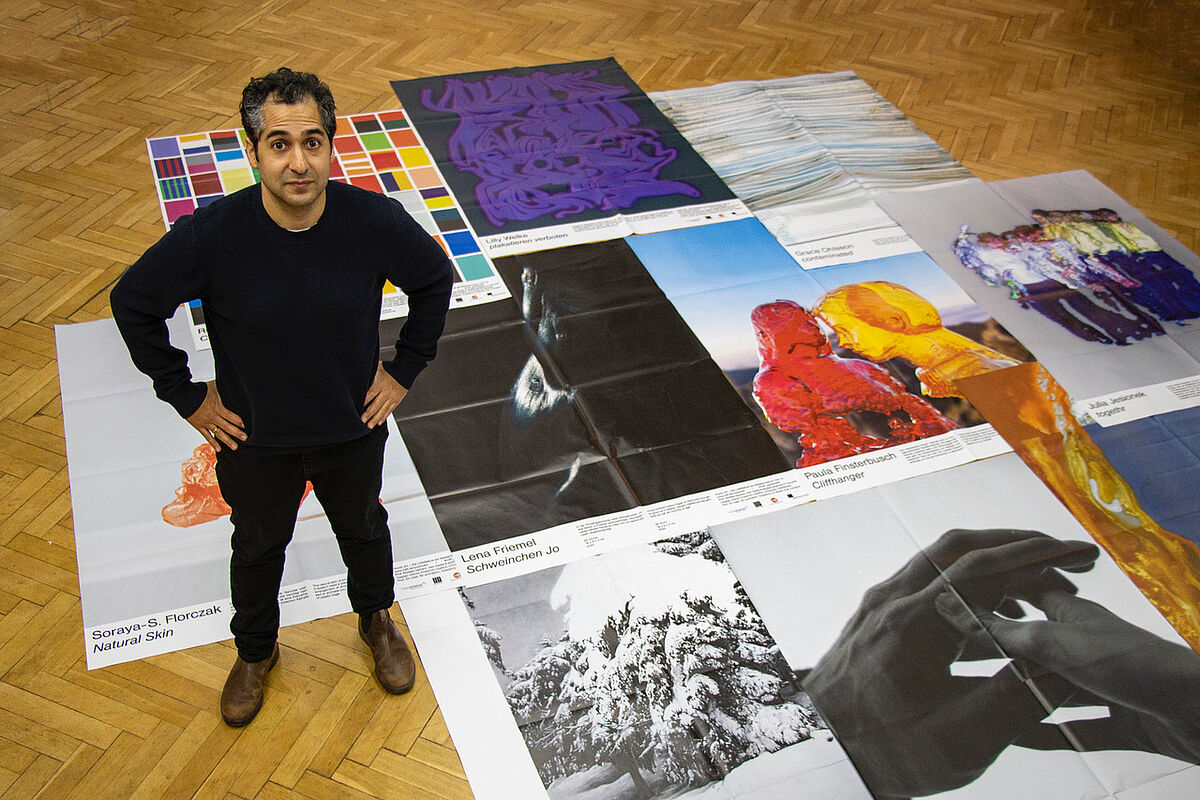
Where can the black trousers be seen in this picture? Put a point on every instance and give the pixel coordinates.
(264, 489)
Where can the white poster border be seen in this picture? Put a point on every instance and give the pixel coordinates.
(615, 227)
(1130, 405)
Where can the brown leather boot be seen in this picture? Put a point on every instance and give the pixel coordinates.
(394, 665)
(242, 696)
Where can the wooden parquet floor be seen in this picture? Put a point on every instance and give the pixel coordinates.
(1009, 87)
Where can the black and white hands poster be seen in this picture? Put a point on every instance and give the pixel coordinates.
(965, 637)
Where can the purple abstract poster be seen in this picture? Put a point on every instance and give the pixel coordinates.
(529, 148)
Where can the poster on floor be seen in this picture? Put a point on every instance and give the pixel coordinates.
(806, 155)
(960, 645)
(152, 531)
(594, 393)
(835, 362)
(585, 395)
(1159, 457)
(1118, 487)
(643, 672)
(1105, 299)
(561, 154)
(375, 150)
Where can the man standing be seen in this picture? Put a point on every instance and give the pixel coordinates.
(290, 274)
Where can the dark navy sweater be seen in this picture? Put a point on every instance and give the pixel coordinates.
(292, 316)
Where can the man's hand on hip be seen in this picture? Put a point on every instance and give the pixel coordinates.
(382, 398)
(216, 423)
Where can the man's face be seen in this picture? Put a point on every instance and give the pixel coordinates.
(292, 157)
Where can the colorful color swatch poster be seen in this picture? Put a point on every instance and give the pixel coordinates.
(562, 154)
(376, 151)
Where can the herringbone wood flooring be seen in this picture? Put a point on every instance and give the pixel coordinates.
(1009, 87)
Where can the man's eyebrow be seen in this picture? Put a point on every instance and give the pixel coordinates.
(282, 132)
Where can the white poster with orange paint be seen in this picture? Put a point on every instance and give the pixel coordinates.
(151, 533)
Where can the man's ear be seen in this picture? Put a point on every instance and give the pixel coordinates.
(252, 153)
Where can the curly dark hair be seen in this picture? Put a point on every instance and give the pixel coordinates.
(285, 86)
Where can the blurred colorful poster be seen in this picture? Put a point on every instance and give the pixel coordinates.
(561, 154)
(376, 151)
(1106, 300)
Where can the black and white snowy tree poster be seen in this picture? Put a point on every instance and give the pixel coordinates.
(646, 673)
